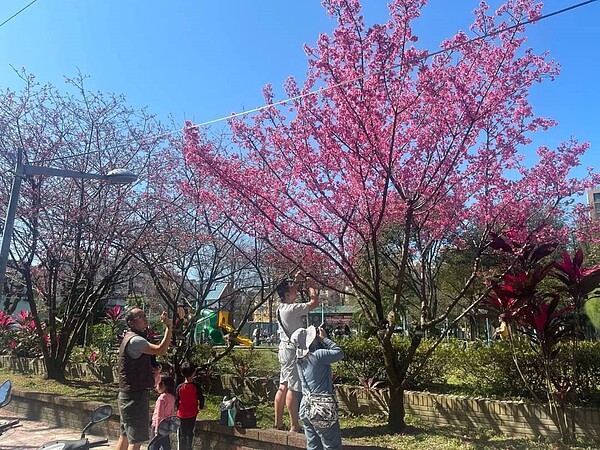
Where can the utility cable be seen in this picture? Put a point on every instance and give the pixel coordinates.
(18, 12)
(422, 58)
(343, 83)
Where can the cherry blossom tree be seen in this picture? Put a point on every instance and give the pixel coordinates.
(386, 157)
(189, 247)
(73, 238)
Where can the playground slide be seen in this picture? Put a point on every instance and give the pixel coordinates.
(214, 324)
(241, 339)
(203, 327)
(244, 340)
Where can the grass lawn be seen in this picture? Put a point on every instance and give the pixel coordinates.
(370, 430)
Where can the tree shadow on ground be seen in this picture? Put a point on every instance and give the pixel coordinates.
(91, 390)
(471, 438)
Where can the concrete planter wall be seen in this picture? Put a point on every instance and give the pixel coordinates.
(508, 417)
(254, 389)
(36, 366)
(74, 414)
(33, 366)
(359, 400)
(512, 418)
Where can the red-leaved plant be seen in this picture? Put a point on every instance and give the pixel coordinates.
(546, 313)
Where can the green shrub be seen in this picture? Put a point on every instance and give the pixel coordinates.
(249, 362)
(105, 345)
(202, 353)
(490, 371)
(425, 372)
(588, 371)
(363, 361)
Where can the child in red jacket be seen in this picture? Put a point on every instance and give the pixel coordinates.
(188, 400)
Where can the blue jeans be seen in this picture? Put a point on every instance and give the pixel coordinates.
(322, 438)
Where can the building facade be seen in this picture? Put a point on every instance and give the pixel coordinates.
(594, 203)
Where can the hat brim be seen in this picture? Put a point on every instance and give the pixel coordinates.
(303, 347)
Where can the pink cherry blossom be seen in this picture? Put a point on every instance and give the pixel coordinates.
(385, 158)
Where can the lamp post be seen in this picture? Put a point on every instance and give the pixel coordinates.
(116, 176)
(323, 300)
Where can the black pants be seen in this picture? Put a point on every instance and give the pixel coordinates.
(186, 433)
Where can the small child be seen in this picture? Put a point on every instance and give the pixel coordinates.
(188, 400)
(165, 407)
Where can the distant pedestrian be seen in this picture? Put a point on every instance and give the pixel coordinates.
(256, 336)
(189, 400)
(165, 407)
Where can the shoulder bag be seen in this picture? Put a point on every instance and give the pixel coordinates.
(321, 409)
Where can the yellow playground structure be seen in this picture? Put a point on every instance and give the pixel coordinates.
(215, 326)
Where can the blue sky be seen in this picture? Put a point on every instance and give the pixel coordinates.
(202, 60)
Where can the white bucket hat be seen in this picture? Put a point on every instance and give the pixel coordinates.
(302, 338)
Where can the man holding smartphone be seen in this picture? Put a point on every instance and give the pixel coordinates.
(137, 377)
(291, 316)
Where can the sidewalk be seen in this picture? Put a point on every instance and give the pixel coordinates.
(31, 435)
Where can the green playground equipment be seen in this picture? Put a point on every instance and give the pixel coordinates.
(215, 325)
(208, 325)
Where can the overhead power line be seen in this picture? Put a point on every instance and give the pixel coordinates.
(342, 83)
(427, 56)
(18, 12)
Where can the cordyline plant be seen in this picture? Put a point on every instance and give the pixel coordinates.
(386, 159)
(532, 303)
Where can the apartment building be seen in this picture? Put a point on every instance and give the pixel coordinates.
(594, 203)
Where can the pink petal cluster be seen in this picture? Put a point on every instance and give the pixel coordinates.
(379, 136)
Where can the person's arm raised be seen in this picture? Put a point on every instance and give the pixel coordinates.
(313, 293)
(161, 349)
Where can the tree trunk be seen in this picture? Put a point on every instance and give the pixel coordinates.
(396, 407)
(54, 370)
(396, 373)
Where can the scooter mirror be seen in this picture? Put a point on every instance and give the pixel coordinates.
(101, 413)
(98, 415)
(168, 425)
(5, 389)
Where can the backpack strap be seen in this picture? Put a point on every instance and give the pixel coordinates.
(283, 326)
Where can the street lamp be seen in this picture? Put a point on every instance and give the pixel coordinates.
(116, 176)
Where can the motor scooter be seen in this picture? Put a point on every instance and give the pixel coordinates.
(5, 389)
(98, 415)
(166, 426)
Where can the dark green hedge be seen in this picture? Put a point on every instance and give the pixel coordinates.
(474, 368)
(455, 366)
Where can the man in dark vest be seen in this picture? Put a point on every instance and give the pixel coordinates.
(136, 377)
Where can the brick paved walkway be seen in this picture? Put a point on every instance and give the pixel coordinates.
(32, 434)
